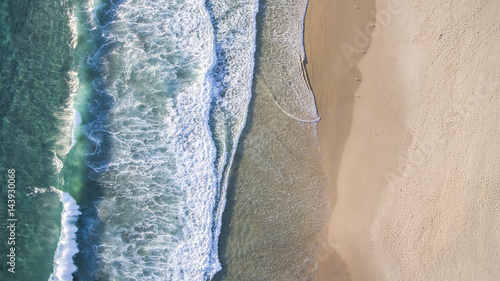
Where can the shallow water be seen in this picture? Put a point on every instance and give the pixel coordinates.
(273, 226)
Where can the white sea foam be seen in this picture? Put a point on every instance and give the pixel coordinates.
(57, 162)
(161, 209)
(36, 190)
(235, 84)
(285, 41)
(67, 246)
(73, 26)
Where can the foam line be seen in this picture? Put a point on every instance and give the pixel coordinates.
(67, 246)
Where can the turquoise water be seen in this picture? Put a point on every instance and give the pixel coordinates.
(130, 124)
(35, 60)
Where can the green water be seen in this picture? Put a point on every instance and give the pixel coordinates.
(34, 63)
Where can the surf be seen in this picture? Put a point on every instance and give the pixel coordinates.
(67, 246)
(179, 74)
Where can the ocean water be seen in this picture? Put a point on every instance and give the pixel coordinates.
(35, 62)
(274, 222)
(158, 140)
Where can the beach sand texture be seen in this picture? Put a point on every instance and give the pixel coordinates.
(409, 137)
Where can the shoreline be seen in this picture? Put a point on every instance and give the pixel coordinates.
(410, 149)
(332, 78)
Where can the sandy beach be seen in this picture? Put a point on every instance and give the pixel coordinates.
(408, 132)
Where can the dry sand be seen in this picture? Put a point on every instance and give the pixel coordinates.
(414, 160)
